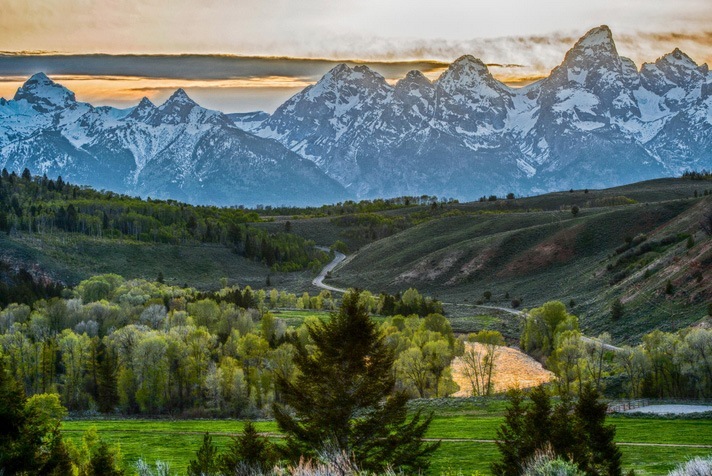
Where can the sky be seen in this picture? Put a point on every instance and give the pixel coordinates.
(243, 55)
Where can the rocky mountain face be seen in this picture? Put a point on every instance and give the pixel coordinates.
(595, 121)
(177, 150)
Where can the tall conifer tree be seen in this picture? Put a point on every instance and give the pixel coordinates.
(344, 396)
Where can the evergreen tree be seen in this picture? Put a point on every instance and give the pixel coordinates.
(247, 453)
(604, 457)
(17, 444)
(538, 421)
(561, 433)
(103, 462)
(107, 392)
(206, 459)
(617, 309)
(511, 437)
(576, 433)
(344, 396)
(30, 442)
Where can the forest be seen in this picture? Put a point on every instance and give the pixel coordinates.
(38, 205)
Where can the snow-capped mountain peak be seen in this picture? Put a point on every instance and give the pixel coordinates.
(179, 97)
(144, 109)
(594, 51)
(467, 78)
(342, 75)
(413, 81)
(181, 109)
(44, 94)
(678, 58)
(600, 37)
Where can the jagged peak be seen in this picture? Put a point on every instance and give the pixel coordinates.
(597, 37)
(145, 103)
(40, 78)
(143, 109)
(44, 93)
(344, 72)
(469, 61)
(415, 77)
(179, 96)
(339, 70)
(679, 58)
(414, 80)
(468, 72)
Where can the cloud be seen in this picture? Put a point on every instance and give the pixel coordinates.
(204, 67)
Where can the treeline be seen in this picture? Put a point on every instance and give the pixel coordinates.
(664, 365)
(351, 207)
(44, 206)
(112, 345)
(703, 174)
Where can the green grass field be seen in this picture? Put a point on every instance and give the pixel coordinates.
(651, 446)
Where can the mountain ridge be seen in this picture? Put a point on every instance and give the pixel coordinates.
(596, 121)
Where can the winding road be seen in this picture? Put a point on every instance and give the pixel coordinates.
(340, 257)
(319, 280)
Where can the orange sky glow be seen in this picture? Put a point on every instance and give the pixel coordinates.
(522, 40)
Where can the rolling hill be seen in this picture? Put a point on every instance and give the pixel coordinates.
(625, 243)
(640, 243)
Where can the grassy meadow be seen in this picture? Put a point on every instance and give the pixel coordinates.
(466, 428)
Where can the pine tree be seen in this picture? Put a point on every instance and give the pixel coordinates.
(17, 445)
(604, 457)
(617, 309)
(206, 459)
(107, 393)
(344, 396)
(562, 434)
(103, 462)
(511, 437)
(574, 432)
(247, 453)
(538, 421)
(29, 443)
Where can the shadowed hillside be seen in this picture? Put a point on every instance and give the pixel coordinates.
(622, 244)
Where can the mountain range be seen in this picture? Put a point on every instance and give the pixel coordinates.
(596, 121)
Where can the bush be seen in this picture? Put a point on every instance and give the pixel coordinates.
(546, 463)
(694, 467)
(617, 309)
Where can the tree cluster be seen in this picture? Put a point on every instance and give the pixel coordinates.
(135, 346)
(664, 365)
(20, 286)
(31, 443)
(572, 431)
(38, 205)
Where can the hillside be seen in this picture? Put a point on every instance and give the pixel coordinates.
(531, 249)
(64, 233)
(536, 249)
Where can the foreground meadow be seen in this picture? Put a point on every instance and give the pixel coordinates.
(467, 429)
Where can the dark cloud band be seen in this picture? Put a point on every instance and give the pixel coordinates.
(194, 67)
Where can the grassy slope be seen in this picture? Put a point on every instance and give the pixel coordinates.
(549, 254)
(73, 257)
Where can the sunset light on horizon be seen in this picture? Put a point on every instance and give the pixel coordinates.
(252, 54)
